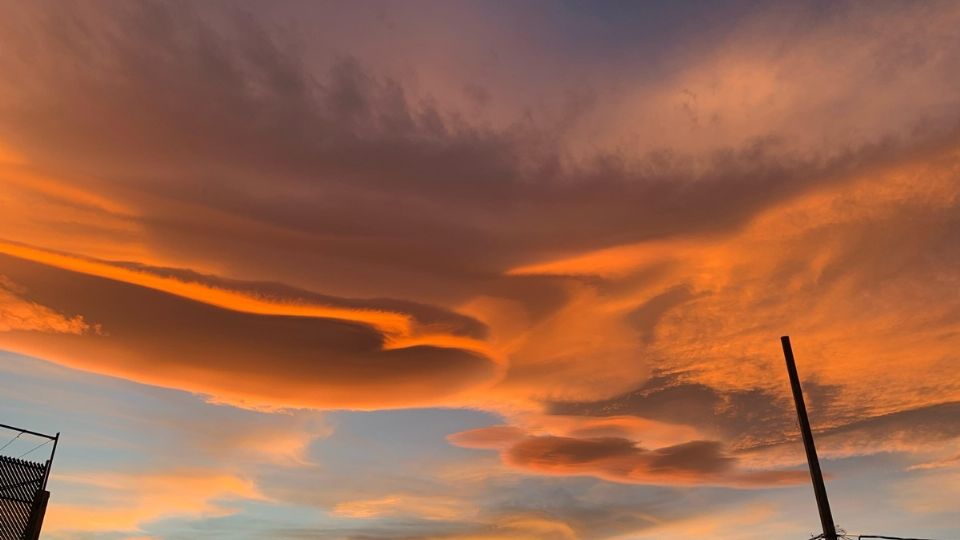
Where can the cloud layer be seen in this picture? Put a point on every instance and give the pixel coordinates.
(241, 357)
(594, 233)
(622, 460)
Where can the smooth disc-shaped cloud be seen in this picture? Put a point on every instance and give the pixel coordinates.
(265, 360)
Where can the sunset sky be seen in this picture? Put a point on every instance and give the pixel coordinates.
(457, 270)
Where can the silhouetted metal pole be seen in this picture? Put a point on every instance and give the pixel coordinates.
(819, 489)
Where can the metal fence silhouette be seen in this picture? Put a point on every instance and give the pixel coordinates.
(21, 488)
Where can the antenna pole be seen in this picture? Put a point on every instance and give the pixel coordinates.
(819, 489)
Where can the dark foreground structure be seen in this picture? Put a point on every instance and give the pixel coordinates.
(23, 488)
(816, 475)
(830, 529)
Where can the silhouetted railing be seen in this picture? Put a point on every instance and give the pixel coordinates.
(23, 488)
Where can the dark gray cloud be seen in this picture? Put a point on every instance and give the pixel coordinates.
(753, 421)
(743, 418)
(905, 431)
(933, 422)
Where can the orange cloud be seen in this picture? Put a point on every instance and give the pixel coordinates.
(272, 354)
(386, 322)
(10, 156)
(651, 432)
(517, 526)
(125, 502)
(619, 459)
(594, 273)
(19, 314)
(860, 273)
(405, 505)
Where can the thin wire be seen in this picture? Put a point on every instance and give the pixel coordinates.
(889, 537)
(847, 536)
(34, 448)
(11, 441)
